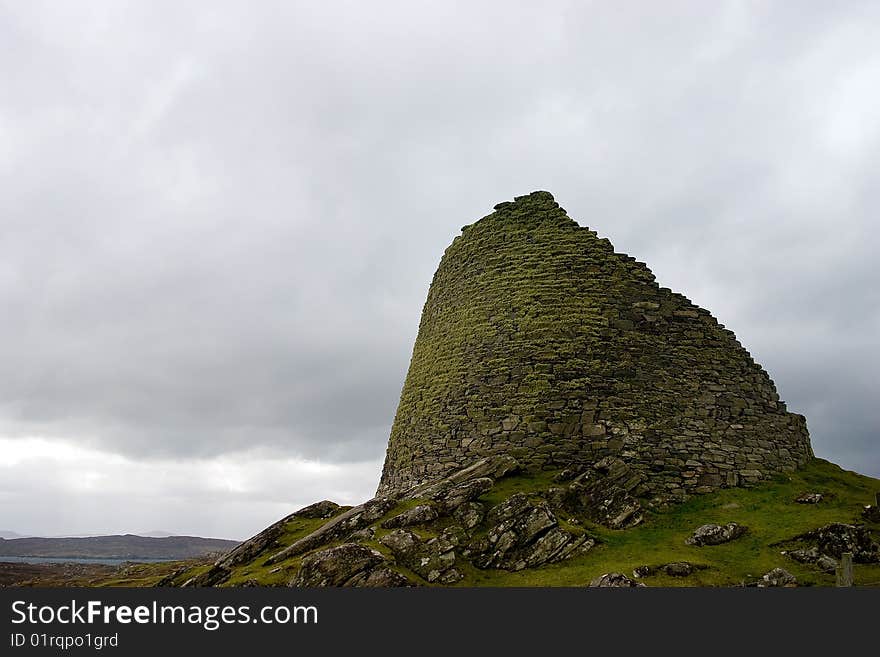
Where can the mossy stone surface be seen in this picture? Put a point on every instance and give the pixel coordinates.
(538, 340)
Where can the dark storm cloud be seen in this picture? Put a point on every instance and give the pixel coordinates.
(219, 221)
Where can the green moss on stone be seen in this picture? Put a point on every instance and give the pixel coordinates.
(531, 312)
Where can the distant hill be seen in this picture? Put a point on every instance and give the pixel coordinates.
(5, 533)
(128, 546)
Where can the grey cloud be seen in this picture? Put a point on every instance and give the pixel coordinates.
(219, 225)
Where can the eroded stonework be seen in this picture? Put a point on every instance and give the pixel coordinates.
(537, 340)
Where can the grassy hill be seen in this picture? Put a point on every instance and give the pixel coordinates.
(126, 546)
(768, 510)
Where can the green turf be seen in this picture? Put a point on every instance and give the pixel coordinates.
(769, 511)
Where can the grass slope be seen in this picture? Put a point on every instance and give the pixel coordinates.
(768, 510)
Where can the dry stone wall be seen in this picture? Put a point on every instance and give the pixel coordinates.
(537, 340)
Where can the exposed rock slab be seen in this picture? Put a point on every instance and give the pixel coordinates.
(603, 493)
(339, 527)
(470, 514)
(255, 546)
(416, 515)
(449, 499)
(322, 509)
(433, 560)
(525, 534)
(349, 564)
(493, 467)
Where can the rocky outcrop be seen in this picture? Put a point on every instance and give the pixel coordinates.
(716, 534)
(349, 564)
(470, 514)
(323, 509)
(614, 580)
(678, 569)
(256, 545)
(436, 533)
(339, 527)
(430, 507)
(417, 515)
(836, 538)
(523, 534)
(449, 499)
(603, 493)
(491, 467)
(434, 560)
(810, 498)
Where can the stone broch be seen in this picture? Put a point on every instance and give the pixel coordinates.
(539, 341)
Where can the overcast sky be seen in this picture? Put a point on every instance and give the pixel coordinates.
(219, 221)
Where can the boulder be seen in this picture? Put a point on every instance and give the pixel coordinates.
(810, 498)
(449, 499)
(614, 580)
(808, 555)
(417, 515)
(361, 535)
(678, 569)
(643, 571)
(337, 566)
(716, 534)
(323, 509)
(470, 514)
(452, 537)
(827, 564)
(402, 542)
(777, 577)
